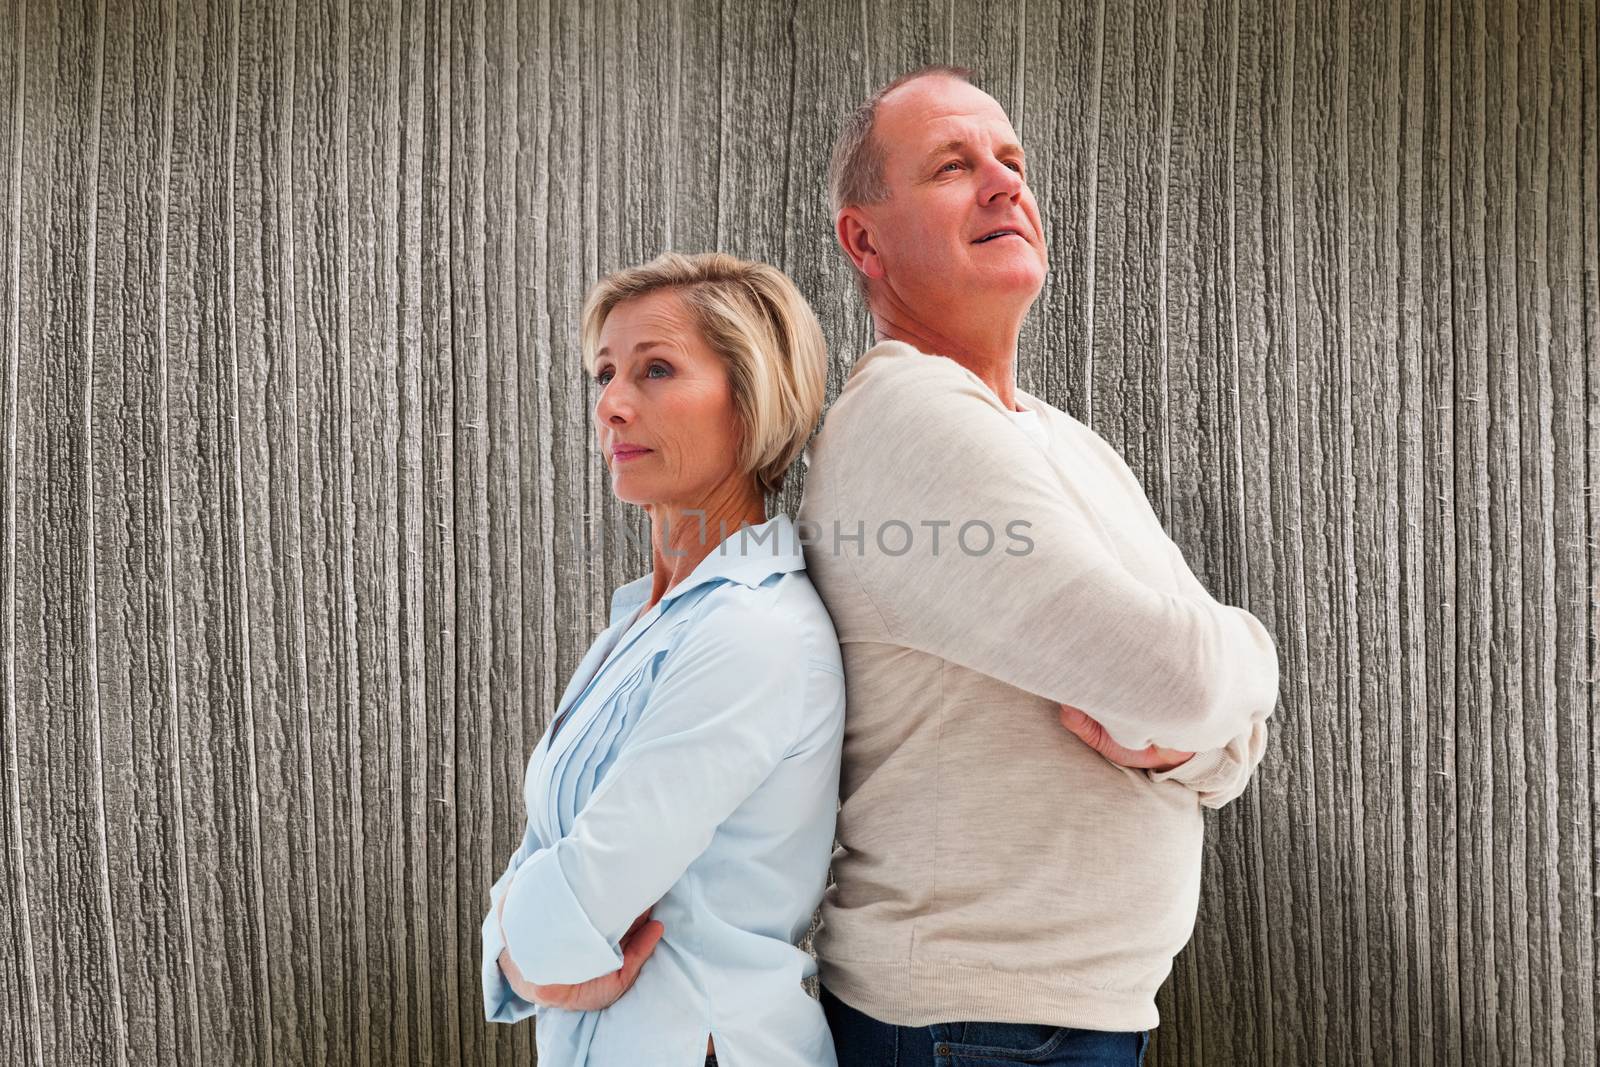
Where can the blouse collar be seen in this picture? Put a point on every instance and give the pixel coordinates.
(749, 555)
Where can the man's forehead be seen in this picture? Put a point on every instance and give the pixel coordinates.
(931, 111)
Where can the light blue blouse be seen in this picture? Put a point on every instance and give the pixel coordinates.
(693, 765)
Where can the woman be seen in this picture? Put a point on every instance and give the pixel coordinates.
(681, 805)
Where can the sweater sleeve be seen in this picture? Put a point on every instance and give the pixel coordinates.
(975, 550)
(1217, 775)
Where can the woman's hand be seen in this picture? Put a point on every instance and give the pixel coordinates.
(597, 993)
(1094, 735)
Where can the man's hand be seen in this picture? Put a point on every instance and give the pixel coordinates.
(597, 993)
(1094, 735)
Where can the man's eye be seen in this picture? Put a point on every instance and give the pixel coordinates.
(1014, 165)
(952, 163)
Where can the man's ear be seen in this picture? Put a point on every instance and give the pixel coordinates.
(856, 239)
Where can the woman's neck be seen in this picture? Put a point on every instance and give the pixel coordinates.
(681, 535)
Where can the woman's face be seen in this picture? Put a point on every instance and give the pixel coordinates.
(665, 419)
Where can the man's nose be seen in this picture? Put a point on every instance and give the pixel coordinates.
(1000, 181)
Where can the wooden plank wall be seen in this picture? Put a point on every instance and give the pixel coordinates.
(303, 534)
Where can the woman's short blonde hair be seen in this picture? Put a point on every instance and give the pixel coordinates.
(752, 316)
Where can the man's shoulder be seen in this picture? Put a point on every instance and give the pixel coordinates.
(1067, 427)
(1080, 434)
(894, 385)
(895, 364)
(1050, 412)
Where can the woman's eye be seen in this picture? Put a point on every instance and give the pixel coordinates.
(662, 367)
(603, 377)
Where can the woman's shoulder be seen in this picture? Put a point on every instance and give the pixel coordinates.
(783, 615)
(774, 641)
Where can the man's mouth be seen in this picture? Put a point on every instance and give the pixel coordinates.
(994, 234)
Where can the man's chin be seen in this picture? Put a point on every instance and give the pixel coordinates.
(1015, 284)
(1021, 280)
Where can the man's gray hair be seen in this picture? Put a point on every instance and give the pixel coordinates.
(855, 174)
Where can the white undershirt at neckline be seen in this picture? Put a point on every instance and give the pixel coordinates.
(1029, 422)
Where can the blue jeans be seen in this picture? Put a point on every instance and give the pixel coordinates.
(862, 1041)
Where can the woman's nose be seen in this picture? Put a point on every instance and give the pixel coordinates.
(614, 407)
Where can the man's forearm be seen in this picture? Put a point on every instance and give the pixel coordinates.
(1219, 775)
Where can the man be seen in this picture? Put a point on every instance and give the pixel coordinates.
(1040, 694)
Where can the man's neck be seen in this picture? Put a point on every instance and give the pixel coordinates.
(992, 356)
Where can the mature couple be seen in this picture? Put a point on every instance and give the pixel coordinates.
(977, 636)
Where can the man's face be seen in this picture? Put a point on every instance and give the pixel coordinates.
(956, 179)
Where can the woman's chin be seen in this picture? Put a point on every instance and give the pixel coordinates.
(636, 495)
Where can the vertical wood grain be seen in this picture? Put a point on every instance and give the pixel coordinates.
(22, 1034)
(304, 530)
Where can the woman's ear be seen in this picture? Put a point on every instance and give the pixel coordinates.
(855, 237)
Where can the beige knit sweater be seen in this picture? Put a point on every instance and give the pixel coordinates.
(991, 866)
